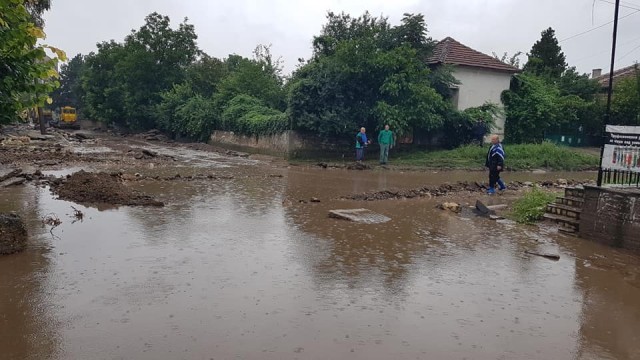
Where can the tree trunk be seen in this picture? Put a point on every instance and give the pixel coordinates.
(43, 128)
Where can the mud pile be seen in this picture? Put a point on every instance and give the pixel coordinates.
(100, 188)
(13, 234)
(448, 189)
(43, 155)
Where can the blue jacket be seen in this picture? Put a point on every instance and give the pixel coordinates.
(361, 140)
(495, 157)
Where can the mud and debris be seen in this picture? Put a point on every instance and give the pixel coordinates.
(235, 246)
(549, 256)
(13, 234)
(12, 182)
(51, 220)
(100, 188)
(152, 135)
(358, 166)
(451, 188)
(77, 215)
(451, 206)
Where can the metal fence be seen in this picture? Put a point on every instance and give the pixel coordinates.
(620, 177)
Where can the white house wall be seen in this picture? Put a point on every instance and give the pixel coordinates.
(478, 86)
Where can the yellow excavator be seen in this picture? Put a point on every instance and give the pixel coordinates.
(67, 118)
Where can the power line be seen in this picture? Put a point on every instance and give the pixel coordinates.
(623, 6)
(629, 3)
(604, 51)
(629, 53)
(598, 27)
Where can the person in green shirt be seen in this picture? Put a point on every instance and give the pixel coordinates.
(386, 141)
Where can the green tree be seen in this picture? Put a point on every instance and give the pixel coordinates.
(531, 108)
(412, 31)
(28, 74)
(248, 115)
(573, 83)
(123, 82)
(513, 60)
(546, 57)
(258, 77)
(70, 92)
(206, 74)
(365, 73)
(342, 27)
(625, 106)
(103, 93)
(166, 110)
(36, 9)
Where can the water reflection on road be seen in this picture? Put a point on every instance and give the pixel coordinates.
(239, 268)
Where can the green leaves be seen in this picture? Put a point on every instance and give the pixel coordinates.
(28, 75)
(531, 207)
(249, 116)
(123, 81)
(366, 73)
(258, 78)
(626, 100)
(546, 57)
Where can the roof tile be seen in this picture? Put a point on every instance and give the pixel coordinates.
(450, 51)
(618, 74)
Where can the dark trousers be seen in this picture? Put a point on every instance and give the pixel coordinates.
(360, 154)
(494, 177)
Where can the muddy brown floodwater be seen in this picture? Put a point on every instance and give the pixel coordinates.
(238, 268)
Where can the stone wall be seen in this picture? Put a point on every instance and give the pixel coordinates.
(612, 217)
(290, 144)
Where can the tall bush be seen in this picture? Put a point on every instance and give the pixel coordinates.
(249, 116)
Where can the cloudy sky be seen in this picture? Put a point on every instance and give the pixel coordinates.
(225, 27)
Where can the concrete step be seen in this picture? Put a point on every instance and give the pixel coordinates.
(564, 210)
(562, 219)
(566, 224)
(568, 231)
(574, 192)
(570, 201)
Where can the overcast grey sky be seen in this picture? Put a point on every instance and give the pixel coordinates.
(226, 27)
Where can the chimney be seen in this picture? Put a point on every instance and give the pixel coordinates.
(595, 73)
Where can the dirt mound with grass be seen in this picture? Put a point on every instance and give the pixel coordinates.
(454, 188)
(100, 188)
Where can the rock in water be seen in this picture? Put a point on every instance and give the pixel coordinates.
(12, 182)
(359, 215)
(544, 255)
(483, 209)
(13, 234)
(451, 206)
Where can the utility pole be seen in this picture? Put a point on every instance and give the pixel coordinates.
(607, 114)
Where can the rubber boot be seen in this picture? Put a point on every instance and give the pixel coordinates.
(502, 185)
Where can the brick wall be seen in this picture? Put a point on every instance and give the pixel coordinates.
(611, 217)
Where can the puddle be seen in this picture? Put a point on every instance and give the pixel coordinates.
(241, 269)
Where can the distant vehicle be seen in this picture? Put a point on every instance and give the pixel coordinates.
(68, 119)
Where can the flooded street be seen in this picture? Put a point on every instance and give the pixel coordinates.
(239, 268)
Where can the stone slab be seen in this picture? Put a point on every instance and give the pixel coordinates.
(364, 216)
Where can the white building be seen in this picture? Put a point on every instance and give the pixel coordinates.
(482, 78)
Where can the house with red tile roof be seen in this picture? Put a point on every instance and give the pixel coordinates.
(618, 75)
(482, 78)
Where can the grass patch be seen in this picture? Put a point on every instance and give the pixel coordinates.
(519, 157)
(532, 206)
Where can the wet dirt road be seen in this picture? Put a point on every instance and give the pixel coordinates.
(239, 269)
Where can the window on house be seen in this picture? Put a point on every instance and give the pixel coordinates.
(455, 95)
